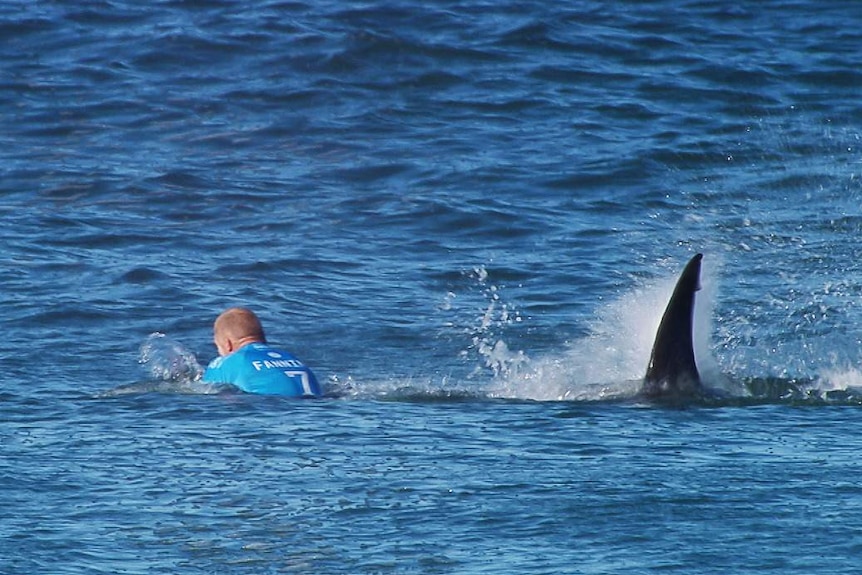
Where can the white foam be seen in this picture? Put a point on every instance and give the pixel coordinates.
(839, 379)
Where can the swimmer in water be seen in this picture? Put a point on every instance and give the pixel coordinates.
(247, 362)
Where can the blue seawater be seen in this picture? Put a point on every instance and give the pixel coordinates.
(467, 217)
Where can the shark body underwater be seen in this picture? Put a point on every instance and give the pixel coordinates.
(672, 373)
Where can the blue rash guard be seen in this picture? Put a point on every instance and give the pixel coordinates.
(259, 368)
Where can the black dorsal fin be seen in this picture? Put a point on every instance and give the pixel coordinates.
(672, 371)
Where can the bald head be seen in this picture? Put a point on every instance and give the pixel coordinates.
(235, 328)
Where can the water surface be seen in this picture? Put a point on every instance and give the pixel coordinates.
(467, 217)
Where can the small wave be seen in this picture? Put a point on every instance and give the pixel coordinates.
(163, 386)
(142, 275)
(406, 389)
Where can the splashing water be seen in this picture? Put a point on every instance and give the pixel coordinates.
(609, 363)
(483, 332)
(172, 369)
(486, 338)
(167, 360)
(846, 379)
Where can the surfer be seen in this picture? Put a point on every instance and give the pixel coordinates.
(249, 363)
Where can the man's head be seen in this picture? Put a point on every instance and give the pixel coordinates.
(235, 328)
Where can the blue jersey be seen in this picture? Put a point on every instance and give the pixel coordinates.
(259, 368)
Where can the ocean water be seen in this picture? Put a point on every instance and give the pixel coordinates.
(467, 217)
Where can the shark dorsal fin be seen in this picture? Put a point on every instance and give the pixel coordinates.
(672, 371)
